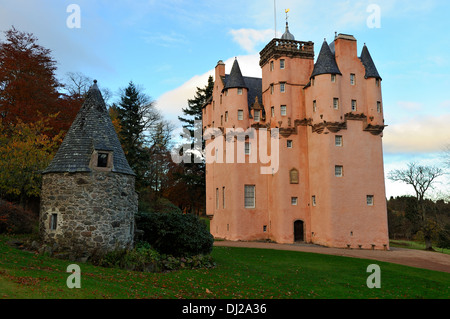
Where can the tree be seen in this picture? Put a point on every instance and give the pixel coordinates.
(422, 179)
(25, 150)
(137, 115)
(28, 85)
(192, 174)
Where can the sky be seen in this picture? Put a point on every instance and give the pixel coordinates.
(170, 47)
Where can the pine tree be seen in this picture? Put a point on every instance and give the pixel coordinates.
(137, 114)
(193, 174)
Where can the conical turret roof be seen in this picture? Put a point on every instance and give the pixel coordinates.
(91, 130)
(235, 79)
(326, 62)
(369, 65)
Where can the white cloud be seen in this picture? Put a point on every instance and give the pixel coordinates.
(248, 39)
(418, 135)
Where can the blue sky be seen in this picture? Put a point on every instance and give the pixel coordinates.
(170, 47)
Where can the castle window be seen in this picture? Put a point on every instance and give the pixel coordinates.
(294, 201)
(217, 198)
(272, 111)
(283, 110)
(352, 79)
(379, 107)
(377, 82)
(240, 115)
(102, 160)
(53, 221)
(249, 196)
(282, 87)
(336, 103)
(265, 228)
(289, 144)
(226, 116)
(353, 105)
(271, 89)
(293, 176)
(248, 148)
(282, 64)
(312, 81)
(257, 116)
(239, 91)
(339, 171)
(314, 106)
(338, 141)
(333, 78)
(369, 200)
(221, 120)
(271, 65)
(313, 199)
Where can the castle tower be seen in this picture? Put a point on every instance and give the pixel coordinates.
(348, 203)
(88, 200)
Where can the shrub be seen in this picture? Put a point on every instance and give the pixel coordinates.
(175, 234)
(16, 220)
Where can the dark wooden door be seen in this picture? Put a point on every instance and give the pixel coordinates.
(298, 231)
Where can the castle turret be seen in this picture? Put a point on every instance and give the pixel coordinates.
(88, 200)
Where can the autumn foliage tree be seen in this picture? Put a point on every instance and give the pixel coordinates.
(28, 85)
(25, 150)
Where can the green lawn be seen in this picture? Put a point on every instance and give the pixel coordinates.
(415, 245)
(240, 273)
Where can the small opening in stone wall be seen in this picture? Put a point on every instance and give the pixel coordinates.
(53, 221)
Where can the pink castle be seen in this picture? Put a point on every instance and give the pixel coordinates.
(327, 185)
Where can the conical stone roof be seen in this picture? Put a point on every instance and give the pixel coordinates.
(369, 65)
(91, 130)
(235, 79)
(326, 62)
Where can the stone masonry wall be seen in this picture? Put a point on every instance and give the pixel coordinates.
(94, 210)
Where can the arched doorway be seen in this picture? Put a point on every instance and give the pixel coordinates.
(299, 233)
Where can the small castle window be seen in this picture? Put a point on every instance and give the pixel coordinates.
(333, 78)
(336, 103)
(294, 201)
(271, 89)
(249, 196)
(226, 116)
(339, 171)
(379, 107)
(248, 148)
(353, 105)
(271, 65)
(314, 106)
(377, 82)
(53, 221)
(289, 144)
(369, 200)
(282, 87)
(352, 79)
(257, 116)
(102, 160)
(240, 115)
(283, 110)
(282, 64)
(272, 111)
(239, 91)
(313, 199)
(338, 141)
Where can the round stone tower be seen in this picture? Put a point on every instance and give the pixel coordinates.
(88, 199)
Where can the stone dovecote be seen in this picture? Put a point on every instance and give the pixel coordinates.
(88, 198)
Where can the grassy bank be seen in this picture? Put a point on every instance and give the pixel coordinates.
(240, 273)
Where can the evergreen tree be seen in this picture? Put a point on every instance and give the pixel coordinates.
(193, 174)
(137, 114)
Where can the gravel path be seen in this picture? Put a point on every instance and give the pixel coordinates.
(409, 257)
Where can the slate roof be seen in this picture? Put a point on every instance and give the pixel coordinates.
(235, 79)
(326, 62)
(366, 59)
(91, 130)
